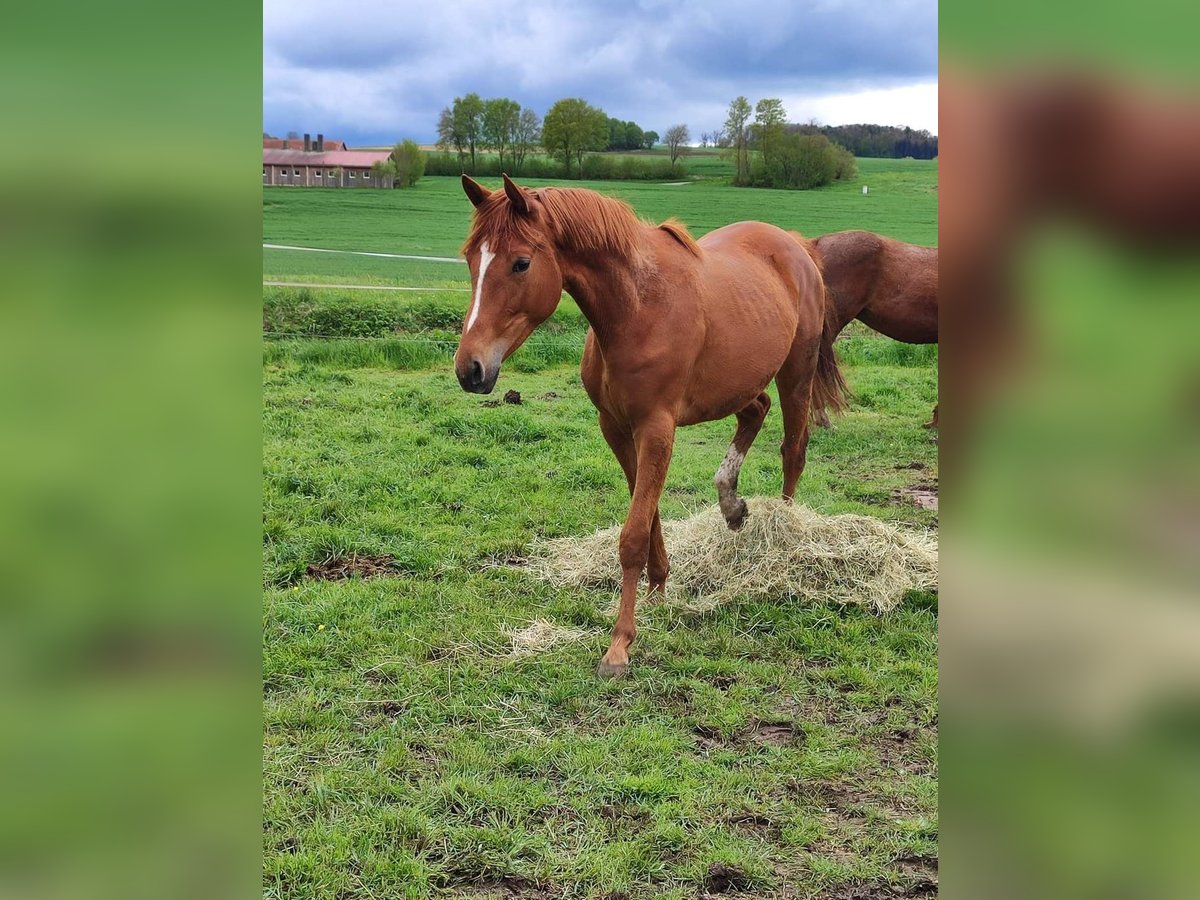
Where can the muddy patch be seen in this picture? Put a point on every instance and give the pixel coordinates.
(756, 824)
(924, 496)
(776, 733)
(342, 568)
(877, 891)
(505, 886)
(760, 732)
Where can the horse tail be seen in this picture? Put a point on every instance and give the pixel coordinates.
(829, 389)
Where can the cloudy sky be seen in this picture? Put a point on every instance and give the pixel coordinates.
(374, 74)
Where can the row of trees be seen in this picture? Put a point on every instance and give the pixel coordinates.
(765, 149)
(629, 136)
(503, 126)
(878, 140)
(572, 127)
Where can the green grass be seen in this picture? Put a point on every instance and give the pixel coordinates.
(407, 755)
(432, 218)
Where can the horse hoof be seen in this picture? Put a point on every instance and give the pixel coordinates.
(611, 670)
(738, 519)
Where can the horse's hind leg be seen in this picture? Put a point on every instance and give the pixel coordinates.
(795, 381)
(750, 420)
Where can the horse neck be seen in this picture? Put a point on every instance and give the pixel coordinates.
(606, 289)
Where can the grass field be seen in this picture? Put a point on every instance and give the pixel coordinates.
(765, 748)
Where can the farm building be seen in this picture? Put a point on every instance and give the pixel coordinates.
(298, 144)
(318, 164)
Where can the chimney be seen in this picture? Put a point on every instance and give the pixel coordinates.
(320, 143)
(307, 142)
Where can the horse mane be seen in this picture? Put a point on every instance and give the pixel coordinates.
(678, 230)
(578, 219)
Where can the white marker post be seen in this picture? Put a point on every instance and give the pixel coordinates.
(864, 190)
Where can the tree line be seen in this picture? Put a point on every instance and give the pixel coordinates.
(889, 141)
(766, 150)
(571, 129)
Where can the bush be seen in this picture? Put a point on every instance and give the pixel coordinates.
(488, 166)
(603, 167)
(802, 161)
(847, 165)
(410, 161)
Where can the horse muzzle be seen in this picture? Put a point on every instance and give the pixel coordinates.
(476, 377)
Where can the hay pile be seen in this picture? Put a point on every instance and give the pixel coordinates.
(783, 551)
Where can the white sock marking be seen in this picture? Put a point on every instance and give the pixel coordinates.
(485, 257)
(726, 480)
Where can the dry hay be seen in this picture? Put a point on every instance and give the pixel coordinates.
(783, 550)
(540, 635)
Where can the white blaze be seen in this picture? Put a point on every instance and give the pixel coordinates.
(485, 257)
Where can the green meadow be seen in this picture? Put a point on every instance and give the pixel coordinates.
(765, 748)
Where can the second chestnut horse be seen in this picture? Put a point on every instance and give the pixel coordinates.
(682, 331)
(887, 284)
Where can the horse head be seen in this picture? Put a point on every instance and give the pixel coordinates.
(516, 281)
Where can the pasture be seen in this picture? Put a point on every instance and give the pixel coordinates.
(433, 726)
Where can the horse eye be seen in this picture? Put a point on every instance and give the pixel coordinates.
(520, 265)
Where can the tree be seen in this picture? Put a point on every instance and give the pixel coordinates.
(677, 141)
(571, 128)
(449, 135)
(500, 117)
(769, 119)
(649, 139)
(528, 135)
(467, 113)
(634, 136)
(736, 127)
(616, 134)
(409, 163)
(293, 135)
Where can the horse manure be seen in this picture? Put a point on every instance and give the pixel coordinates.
(721, 878)
(513, 397)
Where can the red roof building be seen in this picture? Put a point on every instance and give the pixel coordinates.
(320, 163)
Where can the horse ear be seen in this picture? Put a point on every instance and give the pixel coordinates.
(475, 191)
(516, 196)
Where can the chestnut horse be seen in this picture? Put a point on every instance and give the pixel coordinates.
(887, 284)
(682, 331)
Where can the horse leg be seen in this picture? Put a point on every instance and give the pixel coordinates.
(795, 381)
(750, 420)
(653, 441)
(620, 441)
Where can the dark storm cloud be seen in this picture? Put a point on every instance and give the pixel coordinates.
(374, 77)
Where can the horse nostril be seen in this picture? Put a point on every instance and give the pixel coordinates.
(476, 372)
